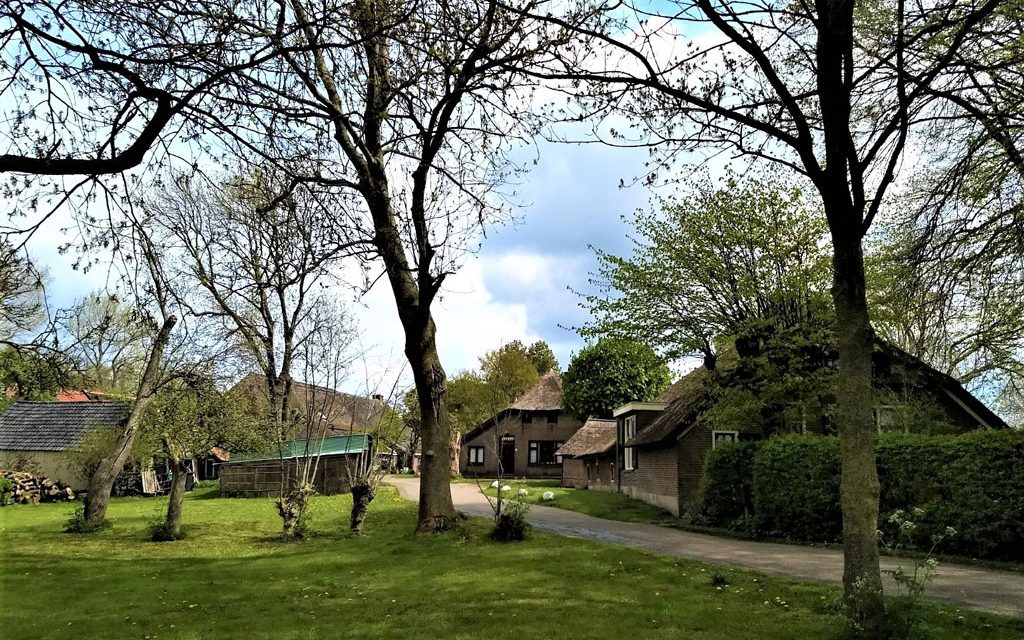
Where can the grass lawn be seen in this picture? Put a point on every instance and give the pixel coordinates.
(600, 504)
(232, 579)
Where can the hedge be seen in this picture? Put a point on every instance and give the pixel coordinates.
(973, 483)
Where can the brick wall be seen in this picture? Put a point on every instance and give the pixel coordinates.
(694, 447)
(655, 478)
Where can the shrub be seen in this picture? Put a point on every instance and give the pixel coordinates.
(796, 488)
(728, 491)
(512, 525)
(973, 483)
(6, 491)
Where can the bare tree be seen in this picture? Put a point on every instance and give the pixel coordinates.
(414, 124)
(107, 339)
(258, 260)
(21, 293)
(815, 87)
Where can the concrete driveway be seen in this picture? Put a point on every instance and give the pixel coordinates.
(962, 585)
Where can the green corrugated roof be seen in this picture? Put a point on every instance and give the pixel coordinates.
(333, 446)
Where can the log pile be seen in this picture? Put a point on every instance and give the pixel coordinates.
(29, 488)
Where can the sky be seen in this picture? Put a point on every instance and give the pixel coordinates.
(515, 287)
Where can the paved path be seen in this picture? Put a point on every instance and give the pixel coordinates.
(972, 587)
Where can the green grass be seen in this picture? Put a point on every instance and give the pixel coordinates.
(232, 578)
(600, 504)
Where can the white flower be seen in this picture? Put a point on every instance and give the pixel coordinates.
(495, 484)
(548, 496)
(523, 492)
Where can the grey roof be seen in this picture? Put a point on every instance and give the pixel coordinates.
(55, 426)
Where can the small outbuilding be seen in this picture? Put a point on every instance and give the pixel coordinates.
(262, 475)
(39, 436)
(588, 457)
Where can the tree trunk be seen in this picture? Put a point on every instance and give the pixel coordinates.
(456, 448)
(859, 482)
(176, 498)
(362, 496)
(292, 507)
(102, 481)
(436, 509)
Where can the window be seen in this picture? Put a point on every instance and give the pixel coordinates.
(527, 417)
(718, 437)
(476, 456)
(629, 453)
(553, 417)
(542, 452)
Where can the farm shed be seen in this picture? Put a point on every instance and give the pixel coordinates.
(261, 475)
(37, 436)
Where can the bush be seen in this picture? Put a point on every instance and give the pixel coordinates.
(512, 525)
(796, 488)
(728, 494)
(6, 491)
(973, 483)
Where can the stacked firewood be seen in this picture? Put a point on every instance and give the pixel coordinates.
(29, 488)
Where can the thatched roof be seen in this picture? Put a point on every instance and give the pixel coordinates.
(688, 395)
(687, 398)
(56, 426)
(546, 395)
(596, 436)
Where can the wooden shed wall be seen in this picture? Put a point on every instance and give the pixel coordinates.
(263, 477)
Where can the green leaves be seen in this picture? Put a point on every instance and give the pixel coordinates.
(611, 373)
(710, 262)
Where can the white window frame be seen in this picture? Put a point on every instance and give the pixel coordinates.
(714, 437)
(628, 453)
(474, 453)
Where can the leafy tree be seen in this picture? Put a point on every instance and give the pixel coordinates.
(505, 373)
(704, 267)
(965, 319)
(542, 357)
(108, 340)
(187, 418)
(834, 90)
(31, 374)
(611, 373)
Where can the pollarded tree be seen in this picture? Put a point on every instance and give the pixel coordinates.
(834, 90)
(610, 373)
(711, 263)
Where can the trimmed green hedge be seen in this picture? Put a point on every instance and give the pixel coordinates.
(973, 483)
